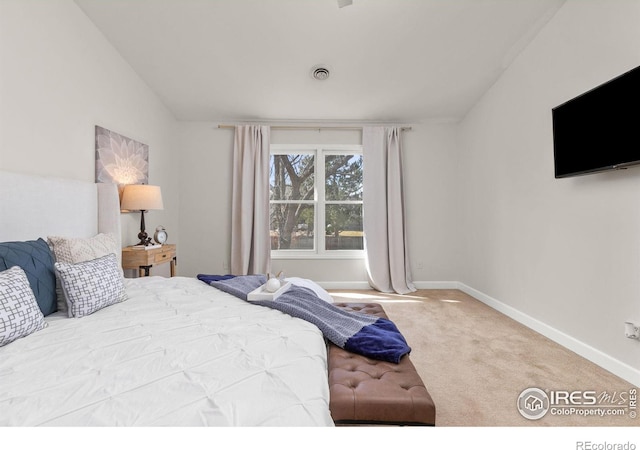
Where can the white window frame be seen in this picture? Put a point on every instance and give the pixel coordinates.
(319, 152)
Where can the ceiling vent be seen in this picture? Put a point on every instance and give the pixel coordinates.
(320, 73)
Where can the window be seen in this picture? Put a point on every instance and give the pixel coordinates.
(316, 188)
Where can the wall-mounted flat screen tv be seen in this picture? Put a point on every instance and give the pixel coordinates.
(600, 129)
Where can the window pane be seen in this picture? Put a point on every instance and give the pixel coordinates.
(343, 227)
(291, 177)
(343, 177)
(292, 226)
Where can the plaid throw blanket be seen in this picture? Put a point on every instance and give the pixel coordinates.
(364, 334)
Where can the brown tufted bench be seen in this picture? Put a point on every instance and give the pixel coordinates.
(365, 391)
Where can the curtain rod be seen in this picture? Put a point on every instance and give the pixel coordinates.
(309, 127)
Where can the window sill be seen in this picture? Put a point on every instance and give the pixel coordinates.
(288, 254)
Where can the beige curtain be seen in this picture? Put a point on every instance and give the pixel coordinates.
(383, 210)
(250, 244)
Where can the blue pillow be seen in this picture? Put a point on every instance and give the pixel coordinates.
(36, 259)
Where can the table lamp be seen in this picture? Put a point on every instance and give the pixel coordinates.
(141, 197)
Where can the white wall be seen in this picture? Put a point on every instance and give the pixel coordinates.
(561, 254)
(205, 174)
(432, 194)
(59, 77)
(205, 197)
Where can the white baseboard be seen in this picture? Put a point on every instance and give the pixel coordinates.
(360, 285)
(594, 355)
(617, 367)
(437, 284)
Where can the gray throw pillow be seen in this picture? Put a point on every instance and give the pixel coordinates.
(91, 285)
(19, 312)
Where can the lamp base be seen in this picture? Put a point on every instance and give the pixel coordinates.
(144, 240)
(143, 236)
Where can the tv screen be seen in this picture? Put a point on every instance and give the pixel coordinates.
(600, 129)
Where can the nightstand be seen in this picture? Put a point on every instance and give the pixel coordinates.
(143, 259)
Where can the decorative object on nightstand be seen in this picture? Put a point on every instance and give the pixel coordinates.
(160, 236)
(142, 197)
(143, 259)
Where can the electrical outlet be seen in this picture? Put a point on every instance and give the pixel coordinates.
(419, 265)
(631, 330)
(225, 265)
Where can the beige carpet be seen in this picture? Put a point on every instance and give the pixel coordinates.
(476, 361)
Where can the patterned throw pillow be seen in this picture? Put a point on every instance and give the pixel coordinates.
(91, 285)
(19, 312)
(76, 250)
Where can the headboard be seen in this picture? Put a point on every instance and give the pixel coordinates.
(34, 206)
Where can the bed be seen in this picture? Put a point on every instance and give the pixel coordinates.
(175, 352)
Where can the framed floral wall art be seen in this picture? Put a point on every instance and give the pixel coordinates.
(120, 160)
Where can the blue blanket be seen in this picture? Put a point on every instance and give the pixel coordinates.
(364, 334)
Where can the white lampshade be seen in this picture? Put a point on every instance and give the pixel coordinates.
(141, 197)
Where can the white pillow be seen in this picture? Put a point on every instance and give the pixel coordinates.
(315, 287)
(19, 312)
(76, 250)
(91, 285)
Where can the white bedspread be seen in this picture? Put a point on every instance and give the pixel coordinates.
(177, 353)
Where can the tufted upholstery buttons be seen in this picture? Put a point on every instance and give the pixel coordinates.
(366, 391)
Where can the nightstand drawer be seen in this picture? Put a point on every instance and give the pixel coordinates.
(144, 259)
(162, 257)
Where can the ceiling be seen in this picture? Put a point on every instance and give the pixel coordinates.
(251, 60)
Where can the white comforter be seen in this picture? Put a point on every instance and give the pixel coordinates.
(177, 353)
